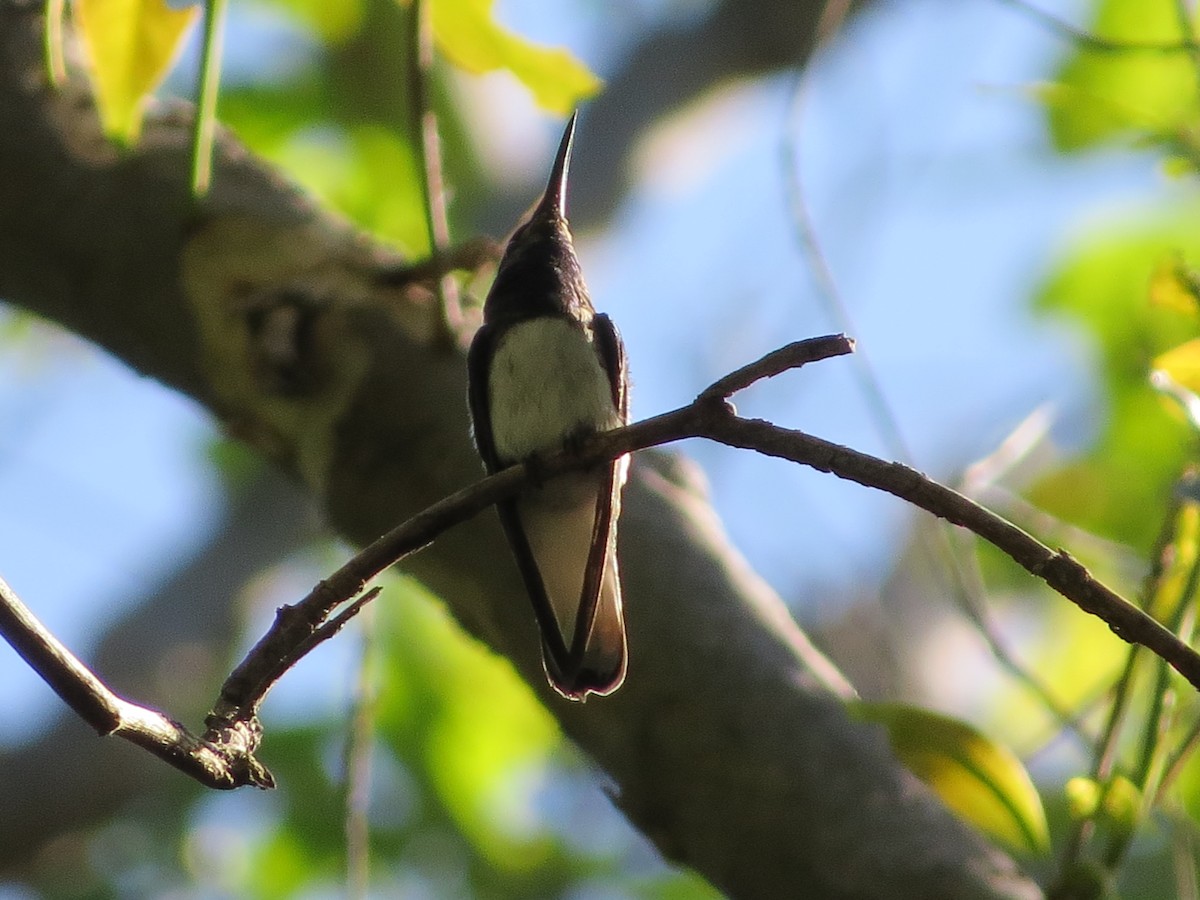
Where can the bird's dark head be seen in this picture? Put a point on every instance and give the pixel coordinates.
(539, 273)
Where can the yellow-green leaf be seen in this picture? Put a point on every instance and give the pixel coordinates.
(1175, 286)
(472, 39)
(1182, 365)
(131, 45)
(980, 780)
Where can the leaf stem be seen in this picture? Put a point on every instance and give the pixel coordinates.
(207, 88)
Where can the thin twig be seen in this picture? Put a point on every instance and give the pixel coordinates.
(225, 765)
(234, 733)
(1056, 567)
(428, 144)
(1089, 41)
(359, 746)
(793, 356)
(713, 418)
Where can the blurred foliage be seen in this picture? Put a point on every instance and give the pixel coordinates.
(132, 44)
(981, 780)
(1125, 285)
(1114, 755)
(1104, 92)
(1119, 487)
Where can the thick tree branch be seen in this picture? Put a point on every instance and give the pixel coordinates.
(727, 743)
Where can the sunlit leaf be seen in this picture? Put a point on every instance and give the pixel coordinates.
(980, 780)
(1114, 92)
(1182, 363)
(131, 45)
(1175, 286)
(344, 170)
(470, 37)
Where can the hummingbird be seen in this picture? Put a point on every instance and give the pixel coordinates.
(544, 370)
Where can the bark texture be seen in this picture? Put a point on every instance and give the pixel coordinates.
(728, 745)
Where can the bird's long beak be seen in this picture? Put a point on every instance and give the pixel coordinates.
(555, 198)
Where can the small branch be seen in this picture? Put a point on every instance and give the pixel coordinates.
(225, 756)
(708, 417)
(218, 766)
(1057, 568)
(962, 582)
(793, 356)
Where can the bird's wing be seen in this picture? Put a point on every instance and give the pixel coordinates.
(598, 644)
(479, 359)
(612, 357)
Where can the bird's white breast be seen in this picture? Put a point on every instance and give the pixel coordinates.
(546, 382)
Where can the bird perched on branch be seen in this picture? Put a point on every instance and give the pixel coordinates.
(546, 369)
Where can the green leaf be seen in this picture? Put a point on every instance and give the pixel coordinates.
(1110, 94)
(469, 36)
(980, 780)
(131, 45)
